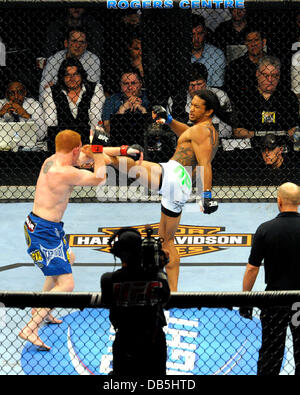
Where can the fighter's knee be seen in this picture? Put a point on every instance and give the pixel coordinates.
(66, 283)
(168, 244)
(72, 258)
(69, 285)
(173, 264)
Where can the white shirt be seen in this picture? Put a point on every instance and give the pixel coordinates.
(89, 61)
(95, 110)
(34, 108)
(2, 53)
(295, 73)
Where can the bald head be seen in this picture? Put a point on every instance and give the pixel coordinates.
(288, 197)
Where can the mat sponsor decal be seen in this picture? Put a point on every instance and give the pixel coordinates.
(210, 341)
(190, 240)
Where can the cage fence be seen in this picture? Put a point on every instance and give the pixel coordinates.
(205, 333)
(157, 56)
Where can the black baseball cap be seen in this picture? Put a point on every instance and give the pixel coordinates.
(270, 141)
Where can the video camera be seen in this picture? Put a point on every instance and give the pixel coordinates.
(153, 256)
(144, 253)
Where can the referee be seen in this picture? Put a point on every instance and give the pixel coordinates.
(277, 242)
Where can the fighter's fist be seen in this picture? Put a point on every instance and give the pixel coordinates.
(135, 151)
(210, 206)
(160, 115)
(207, 205)
(98, 140)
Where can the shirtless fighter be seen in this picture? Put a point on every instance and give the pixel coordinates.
(44, 233)
(196, 147)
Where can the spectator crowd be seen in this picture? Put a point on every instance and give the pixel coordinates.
(84, 69)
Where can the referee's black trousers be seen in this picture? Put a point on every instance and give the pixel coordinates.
(275, 321)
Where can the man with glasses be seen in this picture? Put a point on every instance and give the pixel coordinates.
(73, 18)
(76, 45)
(269, 107)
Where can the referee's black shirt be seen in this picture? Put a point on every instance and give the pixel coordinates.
(277, 242)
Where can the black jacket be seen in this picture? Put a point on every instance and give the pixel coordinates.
(135, 299)
(65, 119)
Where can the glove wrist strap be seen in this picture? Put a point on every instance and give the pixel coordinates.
(206, 195)
(123, 150)
(97, 149)
(169, 119)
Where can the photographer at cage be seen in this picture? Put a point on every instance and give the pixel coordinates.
(135, 295)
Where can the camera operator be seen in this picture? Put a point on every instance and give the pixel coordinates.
(135, 295)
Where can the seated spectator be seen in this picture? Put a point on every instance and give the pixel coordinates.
(213, 16)
(270, 163)
(131, 58)
(125, 25)
(294, 34)
(127, 106)
(209, 55)
(229, 36)
(73, 102)
(272, 148)
(135, 55)
(295, 65)
(17, 107)
(198, 80)
(276, 164)
(269, 107)
(76, 47)
(240, 73)
(131, 21)
(73, 18)
(20, 40)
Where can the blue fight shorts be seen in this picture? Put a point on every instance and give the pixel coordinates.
(47, 245)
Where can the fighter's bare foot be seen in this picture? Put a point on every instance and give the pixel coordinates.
(49, 319)
(35, 340)
(52, 320)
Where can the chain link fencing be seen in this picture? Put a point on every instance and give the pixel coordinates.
(205, 334)
(157, 56)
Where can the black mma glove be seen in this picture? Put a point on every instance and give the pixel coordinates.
(246, 312)
(208, 206)
(133, 151)
(162, 115)
(99, 140)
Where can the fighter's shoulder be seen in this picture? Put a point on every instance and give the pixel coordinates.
(48, 164)
(201, 132)
(51, 166)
